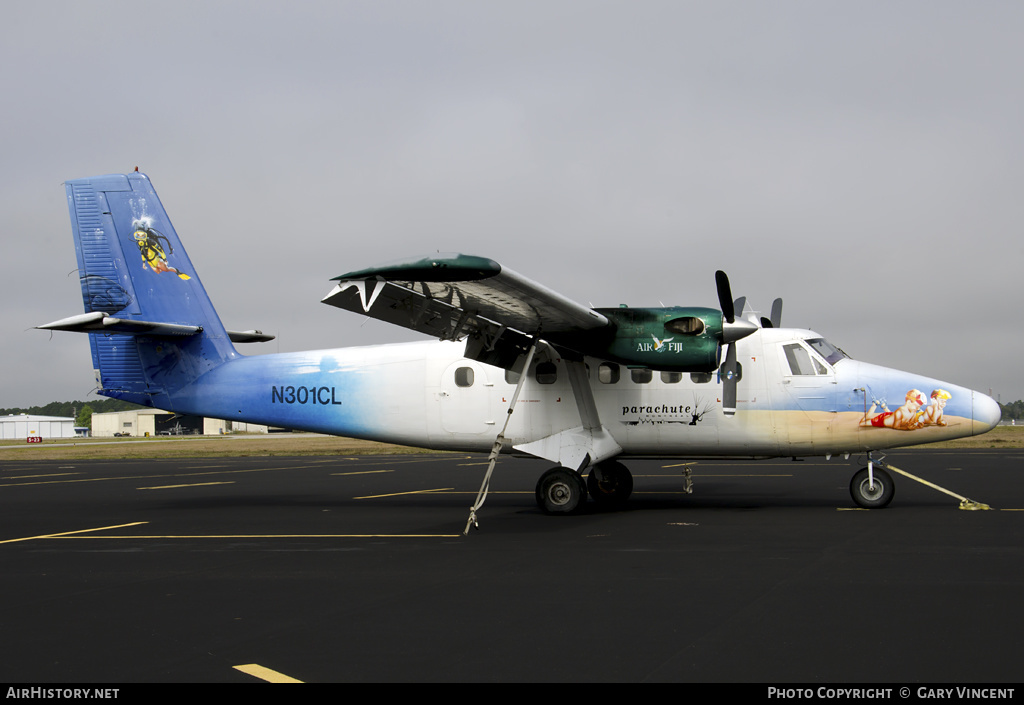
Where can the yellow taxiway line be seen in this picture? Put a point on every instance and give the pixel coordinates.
(399, 494)
(258, 536)
(70, 533)
(194, 484)
(266, 674)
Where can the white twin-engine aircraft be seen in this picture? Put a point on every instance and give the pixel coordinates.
(519, 369)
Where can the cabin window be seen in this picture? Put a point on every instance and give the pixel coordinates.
(511, 377)
(546, 373)
(701, 377)
(464, 377)
(688, 325)
(671, 377)
(608, 373)
(641, 375)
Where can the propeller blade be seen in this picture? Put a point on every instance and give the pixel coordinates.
(725, 296)
(777, 313)
(740, 304)
(731, 372)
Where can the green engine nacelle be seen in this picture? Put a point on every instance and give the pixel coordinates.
(675, 339)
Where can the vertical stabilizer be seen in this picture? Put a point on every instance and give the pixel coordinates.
(159, 330)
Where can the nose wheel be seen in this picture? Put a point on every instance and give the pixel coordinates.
(874, 490)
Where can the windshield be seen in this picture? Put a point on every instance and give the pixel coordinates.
(827, 350)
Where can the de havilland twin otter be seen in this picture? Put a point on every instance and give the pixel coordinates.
(516, 367)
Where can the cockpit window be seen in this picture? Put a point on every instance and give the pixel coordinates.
(827, 350)
(802, 362)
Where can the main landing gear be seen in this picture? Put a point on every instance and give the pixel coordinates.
(561, 491)
(564, 491)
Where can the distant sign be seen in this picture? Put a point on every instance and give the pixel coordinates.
(34, 439)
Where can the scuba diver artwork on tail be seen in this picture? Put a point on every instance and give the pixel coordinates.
(154, 255)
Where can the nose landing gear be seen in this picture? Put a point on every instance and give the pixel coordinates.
(872, 487)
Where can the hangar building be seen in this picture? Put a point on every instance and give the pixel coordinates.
(22, 426)
(154, 422)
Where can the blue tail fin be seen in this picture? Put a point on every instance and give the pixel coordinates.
(151, 325)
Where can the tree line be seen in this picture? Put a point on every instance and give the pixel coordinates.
(1013, 411)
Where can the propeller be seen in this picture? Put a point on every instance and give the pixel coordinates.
(776, 320)
(740, 304)
(732, 328)
(725, 296)
(731, 371)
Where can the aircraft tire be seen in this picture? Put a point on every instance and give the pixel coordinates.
(615, 485)
(872, 498)
(561, 491)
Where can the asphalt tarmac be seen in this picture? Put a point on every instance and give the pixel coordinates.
(355, 569)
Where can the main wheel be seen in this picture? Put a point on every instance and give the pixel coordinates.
(872, 497)
(610, 483)
(561, 491)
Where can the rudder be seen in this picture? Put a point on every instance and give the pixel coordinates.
(152, 327)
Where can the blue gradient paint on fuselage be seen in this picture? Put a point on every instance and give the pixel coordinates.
(341, 392)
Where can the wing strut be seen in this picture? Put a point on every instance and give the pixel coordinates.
(499, 442)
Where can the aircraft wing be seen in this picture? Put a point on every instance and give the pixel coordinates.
(453, 296)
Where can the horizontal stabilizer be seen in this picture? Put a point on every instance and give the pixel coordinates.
(249, 336)
(99, 321)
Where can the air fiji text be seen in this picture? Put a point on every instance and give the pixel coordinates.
(660, 346)
(304, 395)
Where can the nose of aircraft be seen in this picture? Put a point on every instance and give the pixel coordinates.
(986, 413)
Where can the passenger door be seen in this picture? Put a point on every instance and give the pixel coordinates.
(467, 399)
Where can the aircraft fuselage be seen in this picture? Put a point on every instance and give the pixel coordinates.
(428, 395)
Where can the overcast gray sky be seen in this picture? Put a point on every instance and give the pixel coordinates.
(862, 160)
